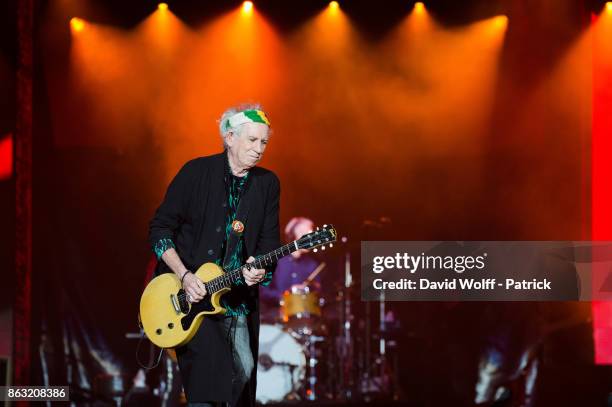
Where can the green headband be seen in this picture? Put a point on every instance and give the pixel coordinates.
(247, 116)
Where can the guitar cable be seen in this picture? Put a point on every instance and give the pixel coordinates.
(140, 341)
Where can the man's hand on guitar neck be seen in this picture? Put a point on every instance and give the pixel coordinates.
(252, 276)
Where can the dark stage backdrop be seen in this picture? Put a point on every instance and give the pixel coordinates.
(450, 125)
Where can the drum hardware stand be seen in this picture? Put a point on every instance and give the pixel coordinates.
(345, 350)
(311, 392)
(382, 344)
(366, 382)
(378, 377)
(388, 366)
(375, 377)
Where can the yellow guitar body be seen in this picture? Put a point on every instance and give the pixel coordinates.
(170, 321)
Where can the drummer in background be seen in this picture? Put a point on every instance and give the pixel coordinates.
(291, 271)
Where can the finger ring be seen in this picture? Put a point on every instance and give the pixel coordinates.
(189, 298)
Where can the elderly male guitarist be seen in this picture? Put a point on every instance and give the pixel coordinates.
(223, 209)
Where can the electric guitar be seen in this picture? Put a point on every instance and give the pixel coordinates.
(169, 320)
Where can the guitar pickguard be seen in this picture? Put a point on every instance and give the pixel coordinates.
(205, 305)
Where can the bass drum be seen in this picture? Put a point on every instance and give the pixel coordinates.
(281, 366)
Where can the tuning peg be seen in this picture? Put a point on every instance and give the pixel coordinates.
(331, 245)
(317, 228)
(315, 250)
(323, 247)
(324, 226)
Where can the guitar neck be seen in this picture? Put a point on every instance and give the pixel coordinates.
(233, 276)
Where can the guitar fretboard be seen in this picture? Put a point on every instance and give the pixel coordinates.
(233, 276)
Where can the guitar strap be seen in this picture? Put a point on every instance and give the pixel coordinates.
(242, 214)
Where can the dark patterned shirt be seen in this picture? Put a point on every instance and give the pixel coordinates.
(235, 187)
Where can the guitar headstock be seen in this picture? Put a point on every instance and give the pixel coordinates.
(318, 238)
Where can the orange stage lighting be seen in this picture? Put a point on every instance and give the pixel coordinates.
(609, 7)
(162, 6)
(500, 21)
(419, 7)
(247, 7)
(77, 24)
(334, 5)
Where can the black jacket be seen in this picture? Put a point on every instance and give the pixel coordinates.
(192, 214)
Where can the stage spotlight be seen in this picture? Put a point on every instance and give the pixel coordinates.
(77, 24)
(333, 5)
(419, 7)
(162, 6)
(500, 21)
(609, 7)
(247, 6)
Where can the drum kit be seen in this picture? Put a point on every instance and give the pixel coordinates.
(316, 350)
(289, 349)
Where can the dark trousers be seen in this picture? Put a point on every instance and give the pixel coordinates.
(243, 364)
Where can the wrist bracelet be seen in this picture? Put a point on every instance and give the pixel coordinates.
(184, 274)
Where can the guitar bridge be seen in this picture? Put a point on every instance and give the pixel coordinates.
(175, 303)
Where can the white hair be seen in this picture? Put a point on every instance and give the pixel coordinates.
(224, 126)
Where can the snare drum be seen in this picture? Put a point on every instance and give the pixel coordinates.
(281, 366)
